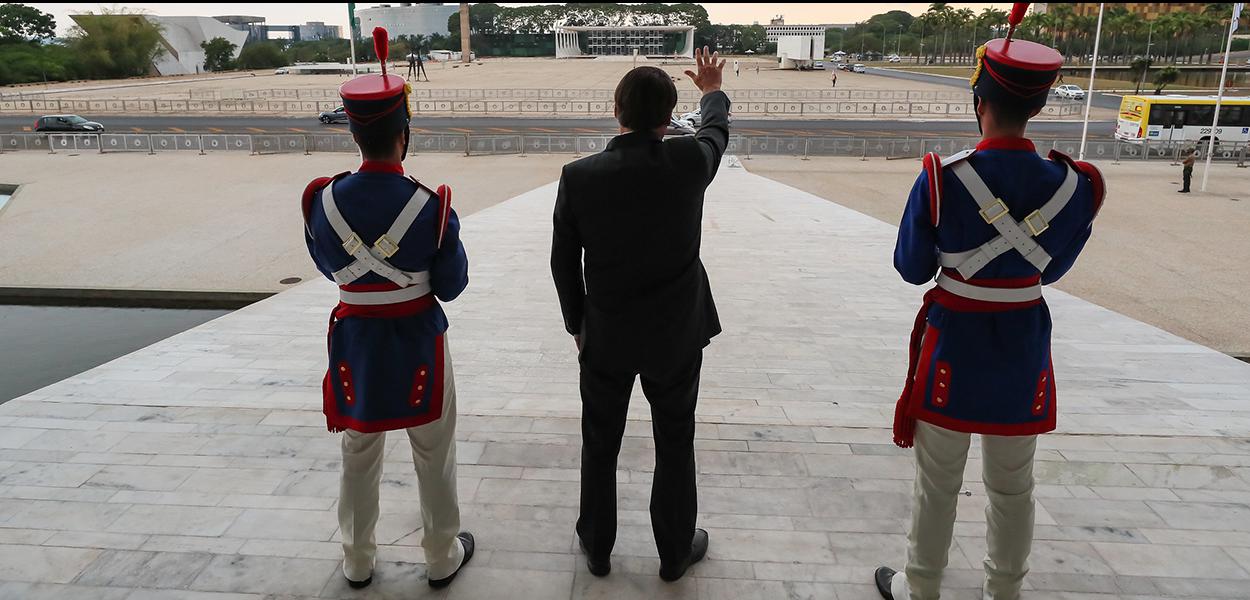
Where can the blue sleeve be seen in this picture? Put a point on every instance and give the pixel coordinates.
(915, 254)
(449, 271)
(311, 241)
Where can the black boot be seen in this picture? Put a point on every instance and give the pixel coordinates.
(883, 577)
(466, 539)
(599, 567)
(698, 549)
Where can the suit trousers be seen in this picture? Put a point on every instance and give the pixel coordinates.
(434, 456)
(672, 390)
(1008, 476)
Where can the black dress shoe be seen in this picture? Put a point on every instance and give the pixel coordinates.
(599, 567)
(355, 585)
(466, 539)
(698, 549)
(883, 577)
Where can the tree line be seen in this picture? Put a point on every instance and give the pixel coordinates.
(946, 35)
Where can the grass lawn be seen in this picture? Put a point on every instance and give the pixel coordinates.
(965, 71)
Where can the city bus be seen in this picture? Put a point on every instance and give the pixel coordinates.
(1182, 118)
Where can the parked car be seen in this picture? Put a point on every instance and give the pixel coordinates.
(820, 64)
(859, 68)
(678, 126)
(695, 118)
(894, 58)
(845, 66)
(337, 115)
(67, 123)
(281, 71)
(1068, 90)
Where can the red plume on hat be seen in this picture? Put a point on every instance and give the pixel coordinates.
(1017, 15)
(382, 47)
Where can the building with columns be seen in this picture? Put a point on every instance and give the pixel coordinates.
(649, 40)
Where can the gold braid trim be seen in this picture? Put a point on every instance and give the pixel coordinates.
(407, 93)
(976, 73)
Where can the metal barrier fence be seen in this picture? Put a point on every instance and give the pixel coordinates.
(469, 145)
(485, 106)
(584, 94)
(768, 102)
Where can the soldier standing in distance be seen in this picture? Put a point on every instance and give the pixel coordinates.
(994, 224)
(1187, 169)
(389, 364)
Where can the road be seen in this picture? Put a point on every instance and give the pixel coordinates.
(539, 125)
(1100, 100)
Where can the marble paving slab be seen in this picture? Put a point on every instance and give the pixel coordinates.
(199, 468)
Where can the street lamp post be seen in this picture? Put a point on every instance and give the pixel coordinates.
(898, 40)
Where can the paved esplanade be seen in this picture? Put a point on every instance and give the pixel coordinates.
(202, 463)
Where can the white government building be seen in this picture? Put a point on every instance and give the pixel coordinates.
(422, 18)
(181, 38)
(648, 40)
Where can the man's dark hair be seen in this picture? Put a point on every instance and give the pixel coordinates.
(1010, 114)
(645, 99)
(375, 146)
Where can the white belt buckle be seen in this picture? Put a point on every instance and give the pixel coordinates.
(352, 244)
(994, 211)
(1036, 223)
(386, 246)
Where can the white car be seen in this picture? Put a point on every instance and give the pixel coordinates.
(894, 58)
(859, 68)
(1070, 91)
(281, 71)
(820, 64)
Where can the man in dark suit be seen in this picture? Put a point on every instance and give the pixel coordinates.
(641, 304)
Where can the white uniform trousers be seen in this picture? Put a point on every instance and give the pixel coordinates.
(1008, 476)
(434, 456)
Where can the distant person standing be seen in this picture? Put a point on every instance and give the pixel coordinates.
(421, 67)
(412, 65)
(834, 77)
(736, 73)
(1187, 172)
(757, 68)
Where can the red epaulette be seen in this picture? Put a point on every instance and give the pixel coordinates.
(444, 208)
(1087, 169)
(444, 212)
(311, 191)
(933, 168)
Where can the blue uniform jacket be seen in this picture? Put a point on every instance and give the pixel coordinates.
(386, 363)
(983, 368)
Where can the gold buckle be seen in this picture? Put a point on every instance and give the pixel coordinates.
(1002, 210)
(1034, 229)
(386, 246)
(352, 244)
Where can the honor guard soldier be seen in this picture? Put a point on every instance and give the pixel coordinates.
(393, 247)
(994, 225)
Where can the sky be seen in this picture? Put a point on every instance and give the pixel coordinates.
(336, 13)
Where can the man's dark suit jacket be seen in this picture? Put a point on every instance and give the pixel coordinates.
(635, 210)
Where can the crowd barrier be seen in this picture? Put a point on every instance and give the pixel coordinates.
(495, 144)
(420, 93)
(311, 108)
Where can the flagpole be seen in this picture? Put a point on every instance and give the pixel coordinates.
(1219, 99)
(1089, 94)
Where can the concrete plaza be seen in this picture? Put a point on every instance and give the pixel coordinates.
(200, 468)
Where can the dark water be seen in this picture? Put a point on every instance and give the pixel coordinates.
(41, 345)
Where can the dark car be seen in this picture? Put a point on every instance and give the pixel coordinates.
(337, 115)
(67, 123)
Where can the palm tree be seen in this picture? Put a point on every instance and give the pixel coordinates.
(963, 19)
(1062, 15)
(1166, 27)
(940, 15)
(992, 18)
